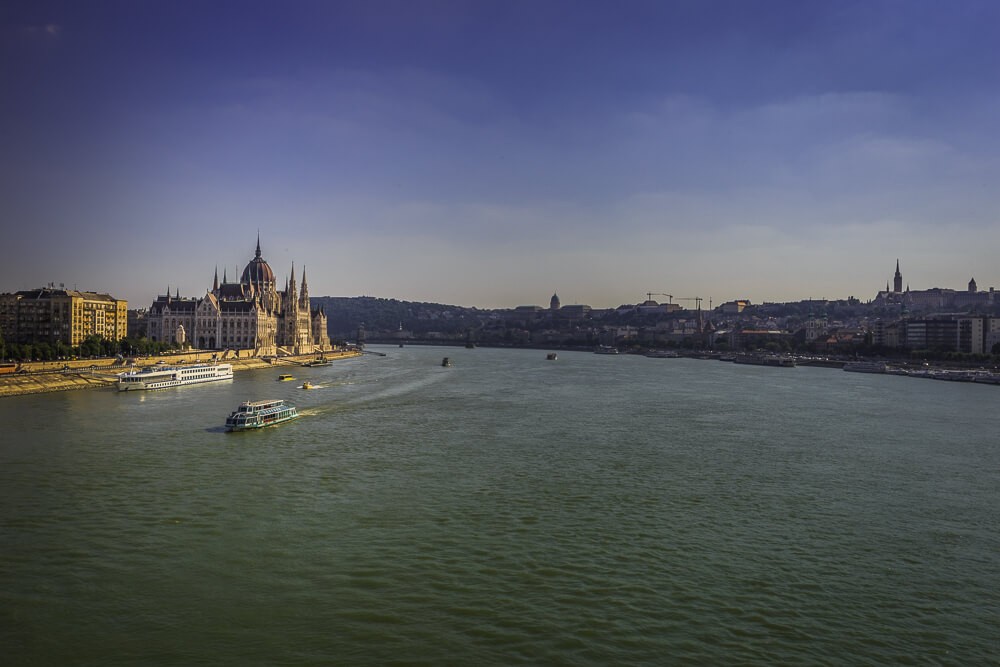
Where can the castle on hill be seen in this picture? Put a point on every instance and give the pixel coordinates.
(251, 314)
(934, 298)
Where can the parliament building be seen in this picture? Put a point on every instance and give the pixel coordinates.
(251, 314)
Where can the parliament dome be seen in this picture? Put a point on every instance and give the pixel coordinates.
(258, 272)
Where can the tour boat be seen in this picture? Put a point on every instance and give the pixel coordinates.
(258, 414)
(605, 349)
(318, 361)
(551, 356)
(765, 360)
(284, 377)
(865, 367)
(161, 377)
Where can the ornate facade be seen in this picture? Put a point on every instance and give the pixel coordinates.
(251, 314)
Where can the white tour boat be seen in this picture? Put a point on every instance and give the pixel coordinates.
(161, 377)
(258, 414)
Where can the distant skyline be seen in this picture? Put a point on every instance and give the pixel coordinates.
(491, 153)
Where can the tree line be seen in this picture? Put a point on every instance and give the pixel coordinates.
(92, 346)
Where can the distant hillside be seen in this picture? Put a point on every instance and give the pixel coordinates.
(383, 316)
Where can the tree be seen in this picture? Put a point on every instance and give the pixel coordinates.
(43, 351)
(62, 350)
(91, 346)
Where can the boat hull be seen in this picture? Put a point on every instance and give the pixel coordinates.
(254, 426)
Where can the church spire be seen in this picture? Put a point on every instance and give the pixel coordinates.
(257, 254)
(304, 294)
(215, 283)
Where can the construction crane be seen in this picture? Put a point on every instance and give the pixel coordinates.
(650, 295)
(697, 300)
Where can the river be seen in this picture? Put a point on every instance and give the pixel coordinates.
(590, 510)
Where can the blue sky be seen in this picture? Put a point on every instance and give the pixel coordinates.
(492, 153)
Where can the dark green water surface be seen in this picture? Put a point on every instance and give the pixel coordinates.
(593, 510)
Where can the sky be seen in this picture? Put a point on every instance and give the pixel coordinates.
(491, 154)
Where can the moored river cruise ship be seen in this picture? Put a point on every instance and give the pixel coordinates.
(161, 377)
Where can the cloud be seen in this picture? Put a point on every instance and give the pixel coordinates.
(40, 33)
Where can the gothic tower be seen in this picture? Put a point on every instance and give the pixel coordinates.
(293, 299)
(897, 280)
(304, 294)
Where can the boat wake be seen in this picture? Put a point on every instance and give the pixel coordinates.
(399, 387)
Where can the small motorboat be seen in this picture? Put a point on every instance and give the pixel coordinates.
(308, 385)
(284, 377)
(446, 362)
(551, 356)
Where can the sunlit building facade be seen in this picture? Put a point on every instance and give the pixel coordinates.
(48, 315)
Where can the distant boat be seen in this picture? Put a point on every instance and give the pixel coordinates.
(308, 385)
(446, 362)
(865, 367)
(284, 377)
(605, 349)
(258, 414)
(662, 354)
(765, 360)
(551, 356)
(318, 361)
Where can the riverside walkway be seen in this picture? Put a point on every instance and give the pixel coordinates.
(52, 376)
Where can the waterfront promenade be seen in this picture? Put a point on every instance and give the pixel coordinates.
(52, 376)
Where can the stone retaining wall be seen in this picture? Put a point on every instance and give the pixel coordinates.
(44, 377)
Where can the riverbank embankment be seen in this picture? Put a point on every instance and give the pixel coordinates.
(45, 377)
